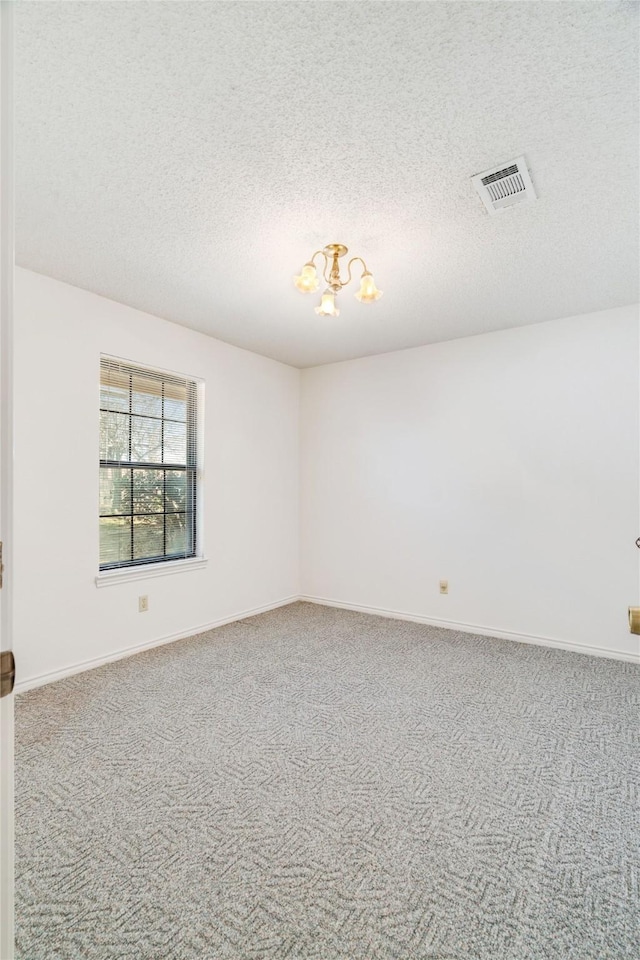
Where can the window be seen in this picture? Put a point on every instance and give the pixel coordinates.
(148, 465)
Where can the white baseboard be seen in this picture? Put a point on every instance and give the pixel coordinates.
(32, 682)
(39, 681)
(480, 631)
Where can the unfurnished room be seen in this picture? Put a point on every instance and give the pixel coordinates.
(319, 480)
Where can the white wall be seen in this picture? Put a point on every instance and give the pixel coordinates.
(506, 463)
(250, 476)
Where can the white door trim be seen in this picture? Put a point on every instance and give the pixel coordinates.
(7, 247)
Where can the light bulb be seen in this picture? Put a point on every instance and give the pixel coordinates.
(308, 281)
(368, 291)
(327, 306)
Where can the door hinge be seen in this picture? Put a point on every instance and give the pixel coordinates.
(1, 566)
(7, 672)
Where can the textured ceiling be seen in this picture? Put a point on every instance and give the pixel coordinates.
(187, 158)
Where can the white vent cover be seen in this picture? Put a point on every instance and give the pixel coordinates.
(504, 186)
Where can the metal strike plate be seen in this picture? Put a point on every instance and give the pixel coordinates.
(7, 672)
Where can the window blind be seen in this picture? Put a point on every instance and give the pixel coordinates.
(148, 465)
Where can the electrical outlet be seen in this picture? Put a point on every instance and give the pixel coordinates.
(444, 586)
(143, 604)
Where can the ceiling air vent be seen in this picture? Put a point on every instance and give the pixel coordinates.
(504, 186)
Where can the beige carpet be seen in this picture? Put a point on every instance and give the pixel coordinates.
(315, 783)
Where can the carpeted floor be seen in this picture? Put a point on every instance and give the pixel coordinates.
(316, 783)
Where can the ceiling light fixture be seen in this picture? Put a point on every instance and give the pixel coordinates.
(308, 281)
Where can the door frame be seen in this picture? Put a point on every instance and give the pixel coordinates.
(7, 271)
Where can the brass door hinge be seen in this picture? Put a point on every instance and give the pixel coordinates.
(7, 672)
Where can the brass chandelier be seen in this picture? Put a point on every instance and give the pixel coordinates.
(308, 281)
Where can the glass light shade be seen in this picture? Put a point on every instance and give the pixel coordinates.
(308, 281)
(327, 306)
(368, 291)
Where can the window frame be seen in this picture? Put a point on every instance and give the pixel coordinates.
(121, 570)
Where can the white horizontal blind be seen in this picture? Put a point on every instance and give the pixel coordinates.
(148, 465)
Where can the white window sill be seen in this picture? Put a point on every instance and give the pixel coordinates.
(109, 578)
